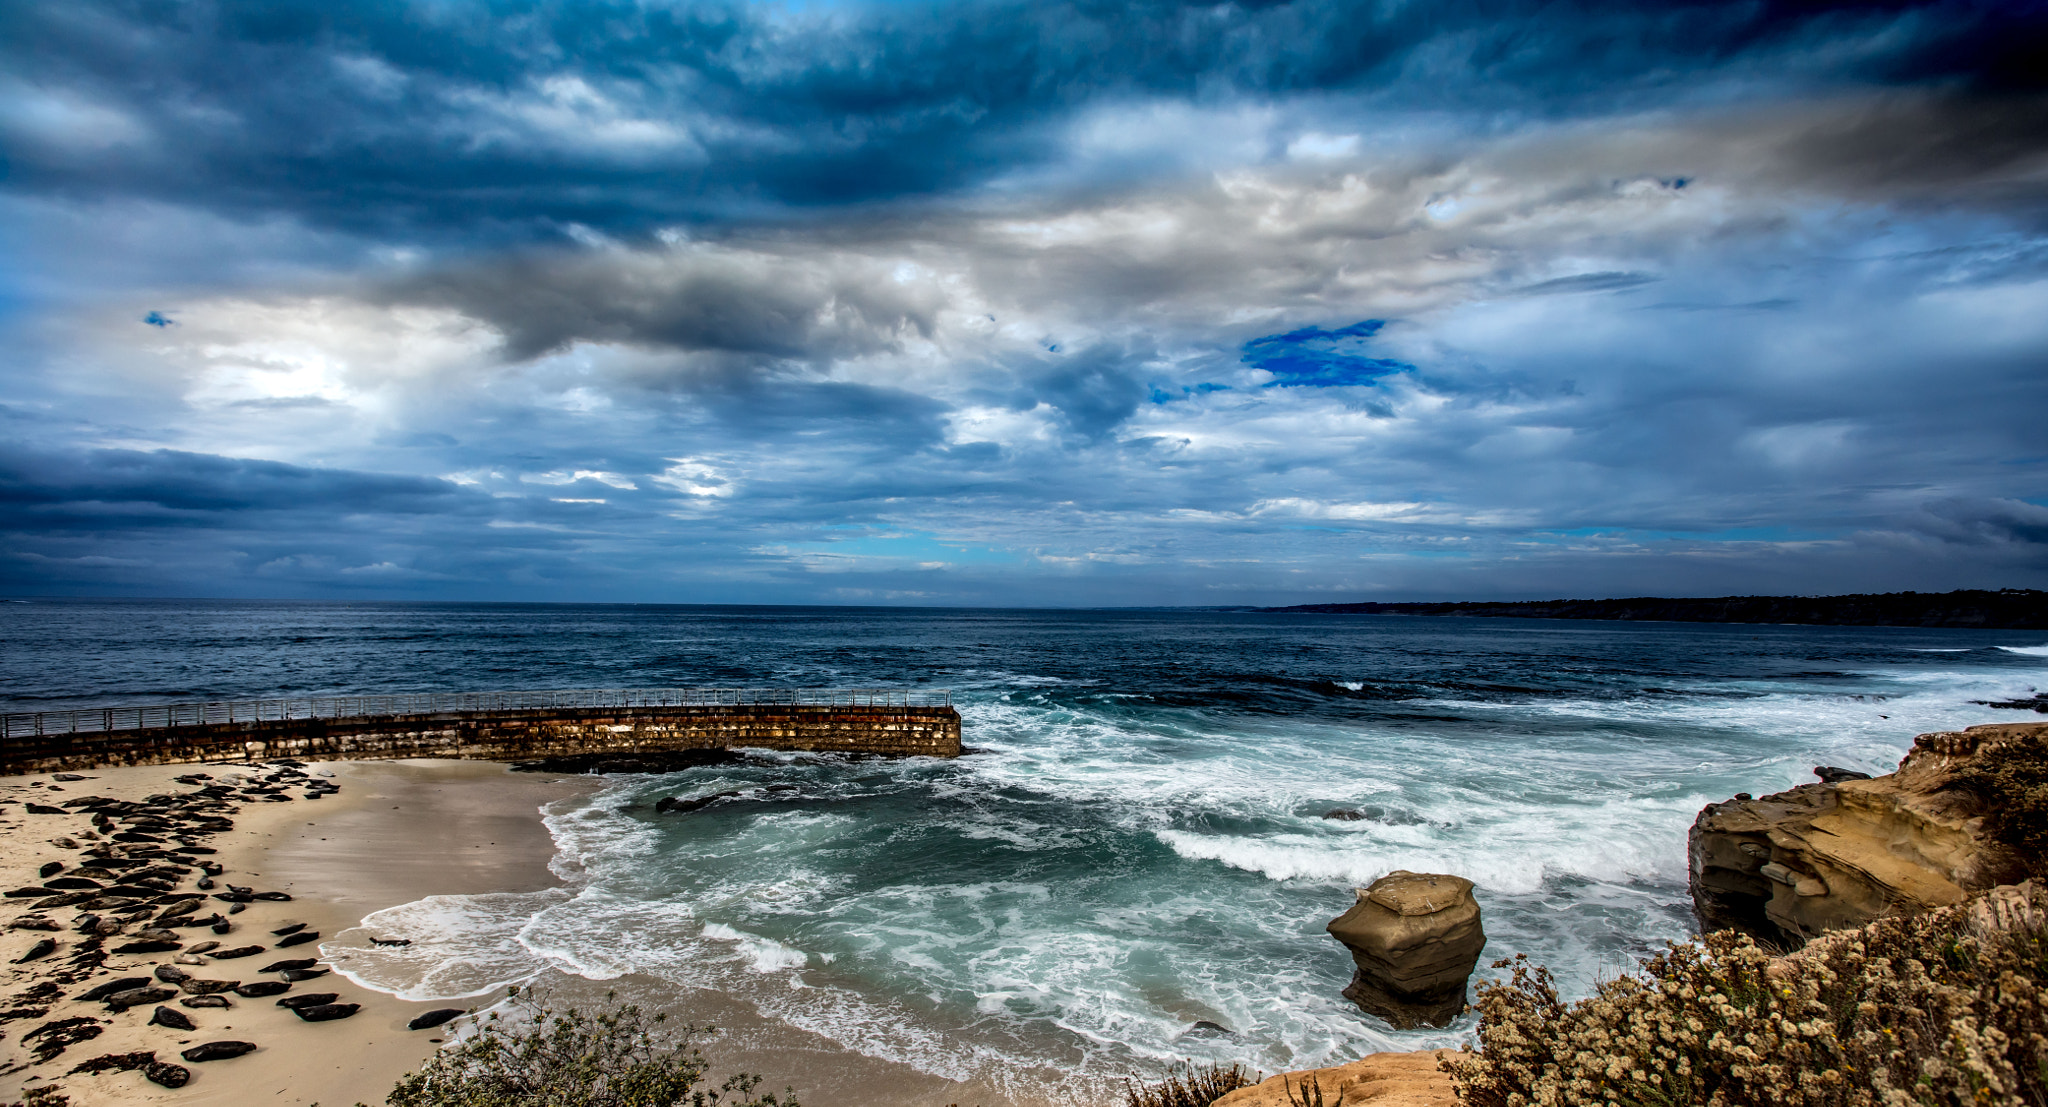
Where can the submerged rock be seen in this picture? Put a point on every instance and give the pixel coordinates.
(1844, 852)
(671, 805)
(1415, 938)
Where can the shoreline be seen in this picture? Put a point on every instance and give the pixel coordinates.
(395, 832)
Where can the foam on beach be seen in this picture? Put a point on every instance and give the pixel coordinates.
(1107, 874)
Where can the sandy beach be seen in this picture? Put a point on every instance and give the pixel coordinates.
(394, 832)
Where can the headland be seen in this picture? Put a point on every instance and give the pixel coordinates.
(2008, 609)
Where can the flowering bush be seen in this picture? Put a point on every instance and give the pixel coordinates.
(2012, 780)
(540, 1057)
(1944, 1008)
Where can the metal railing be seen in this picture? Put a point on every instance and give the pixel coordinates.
(143, 717)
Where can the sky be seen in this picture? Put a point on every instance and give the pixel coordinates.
(1021, 303)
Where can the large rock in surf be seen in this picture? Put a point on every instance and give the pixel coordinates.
(1384, 1079)
(1842, 853)
(1415, 938)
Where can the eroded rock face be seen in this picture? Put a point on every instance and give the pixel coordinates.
(1829, 856)
(1415, 938)
(1384, 1079)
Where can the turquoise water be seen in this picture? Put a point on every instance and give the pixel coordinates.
(1136, 842)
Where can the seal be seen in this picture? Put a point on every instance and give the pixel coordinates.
(173, 1018)
(434, 1018)
(217, 1051)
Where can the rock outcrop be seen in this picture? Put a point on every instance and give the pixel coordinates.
(1415, 938)
(1832, 855)
(1382, 1079)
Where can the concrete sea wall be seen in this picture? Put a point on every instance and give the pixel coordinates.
(505, 735)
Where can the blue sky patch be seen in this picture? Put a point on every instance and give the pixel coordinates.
(1165, 395)
(1315, 358)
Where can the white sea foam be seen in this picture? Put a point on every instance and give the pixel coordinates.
(766, 954)
(2030, 651)
(462, 946)
(1112, 873)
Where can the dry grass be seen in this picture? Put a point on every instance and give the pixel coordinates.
(2012, 779)
(1946, 1008)
(1187, 1086)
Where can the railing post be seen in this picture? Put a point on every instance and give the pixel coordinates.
(146, 716)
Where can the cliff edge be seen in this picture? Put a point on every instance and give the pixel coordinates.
(1828, 856)
(1383, 1079)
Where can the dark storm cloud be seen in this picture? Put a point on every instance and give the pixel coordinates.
(93, 488)
(758, 306)
(1094, 389)
(859, 303)
(1985, 522)
(497, 119)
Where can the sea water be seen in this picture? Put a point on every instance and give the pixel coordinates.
(1136, 842)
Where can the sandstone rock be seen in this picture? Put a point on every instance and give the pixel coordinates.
(1383, 1079)
(1415, 938)
(1841, 854)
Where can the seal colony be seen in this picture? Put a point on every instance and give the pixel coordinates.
(151, 959)
(142, 885)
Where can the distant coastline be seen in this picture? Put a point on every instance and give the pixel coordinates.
(2008, 609)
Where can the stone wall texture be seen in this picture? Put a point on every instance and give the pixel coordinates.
(505, 736)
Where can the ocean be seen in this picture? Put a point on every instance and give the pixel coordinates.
(1136, 842)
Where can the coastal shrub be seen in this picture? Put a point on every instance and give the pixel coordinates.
(535, 1056)
(1945, 1008)
(1188, 1086)
(2012, 778)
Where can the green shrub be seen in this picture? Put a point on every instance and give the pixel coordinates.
(538, 1057)
(1188, 1086)
(1946, 1008)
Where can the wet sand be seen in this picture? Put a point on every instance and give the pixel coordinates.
(395, 833)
